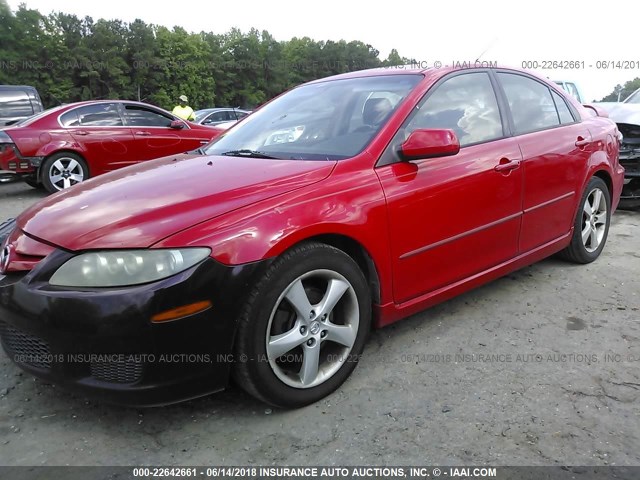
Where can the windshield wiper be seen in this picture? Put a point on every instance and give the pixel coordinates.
(248, 153)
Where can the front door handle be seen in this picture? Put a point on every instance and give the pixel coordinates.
(143, 134)
(81, 132)
(506, 165)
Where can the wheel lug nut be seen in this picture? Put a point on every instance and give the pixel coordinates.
(303, 330)
(310, 342)
(323, 334)
(312, 314)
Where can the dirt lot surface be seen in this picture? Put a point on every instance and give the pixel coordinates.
(538, 368)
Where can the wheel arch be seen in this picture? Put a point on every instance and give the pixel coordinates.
(606, 177)
(354, 249)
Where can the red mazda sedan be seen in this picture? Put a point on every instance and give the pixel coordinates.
(66, 145)
(343, 205)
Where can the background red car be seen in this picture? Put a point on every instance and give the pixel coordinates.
(68, 144)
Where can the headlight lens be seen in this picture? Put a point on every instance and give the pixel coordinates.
(118, 268)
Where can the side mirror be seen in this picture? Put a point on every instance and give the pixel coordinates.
(430, 144)
(177, 124)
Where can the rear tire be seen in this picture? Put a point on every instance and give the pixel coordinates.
(591, 225)
(63, 170)
(32, 181)
(303, 328)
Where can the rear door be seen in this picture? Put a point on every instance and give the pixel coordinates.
(555, 149)
(453, 217)
(153, 135)
(100, 131)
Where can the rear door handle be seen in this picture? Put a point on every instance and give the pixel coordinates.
(582, 142)
(143, 134)
(506, 165)
(81, 132)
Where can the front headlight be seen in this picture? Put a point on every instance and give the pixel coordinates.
(118, 268)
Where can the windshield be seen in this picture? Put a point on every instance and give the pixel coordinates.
(330, 120)
(633, 98)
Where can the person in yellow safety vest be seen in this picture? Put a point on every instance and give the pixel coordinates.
(183, 110)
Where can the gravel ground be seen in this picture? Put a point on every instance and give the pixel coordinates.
(541, 367)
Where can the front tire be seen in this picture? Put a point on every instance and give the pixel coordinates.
(591, 226)
(304, 327)
(63, 170)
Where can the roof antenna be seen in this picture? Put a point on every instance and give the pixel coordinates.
(487, 49)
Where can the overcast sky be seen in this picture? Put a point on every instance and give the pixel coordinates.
(446, 31)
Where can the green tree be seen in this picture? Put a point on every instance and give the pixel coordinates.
(620, 93)
(69, 59)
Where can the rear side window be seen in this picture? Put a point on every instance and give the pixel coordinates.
(98, 115)
(531, 104)
(563, 111)
(15, 103)
(138, 116)
(466, 104)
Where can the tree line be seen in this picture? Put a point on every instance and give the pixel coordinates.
(72, 59)
(620, 92)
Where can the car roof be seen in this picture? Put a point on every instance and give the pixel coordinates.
(410, 69)
(21, 87)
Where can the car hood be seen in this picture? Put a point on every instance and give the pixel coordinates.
(622, 112)
(138, 206)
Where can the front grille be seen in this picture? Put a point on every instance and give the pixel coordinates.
(126, 371)
(25, 349)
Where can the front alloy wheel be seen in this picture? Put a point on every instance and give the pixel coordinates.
(304, 326)
(312, 328)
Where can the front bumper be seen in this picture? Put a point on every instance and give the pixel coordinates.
(102, 343)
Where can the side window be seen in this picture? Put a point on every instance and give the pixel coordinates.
(138, 116)
(70, 118)
(218, 117)
(98, 115)
(563, 111)
(530, 101)
(240, 115)
(466, 104)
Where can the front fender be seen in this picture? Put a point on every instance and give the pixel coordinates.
(349, 203)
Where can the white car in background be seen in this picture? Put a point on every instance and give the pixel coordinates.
(571, 88)
(627, 115)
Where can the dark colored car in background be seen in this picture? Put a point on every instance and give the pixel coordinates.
(216, 116)
(18, 102)
(344, 204)
(66, 145)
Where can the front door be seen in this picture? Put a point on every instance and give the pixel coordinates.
(453, 217)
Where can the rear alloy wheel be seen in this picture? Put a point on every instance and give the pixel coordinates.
(304, 327)
(591, 225)
(63, 170)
